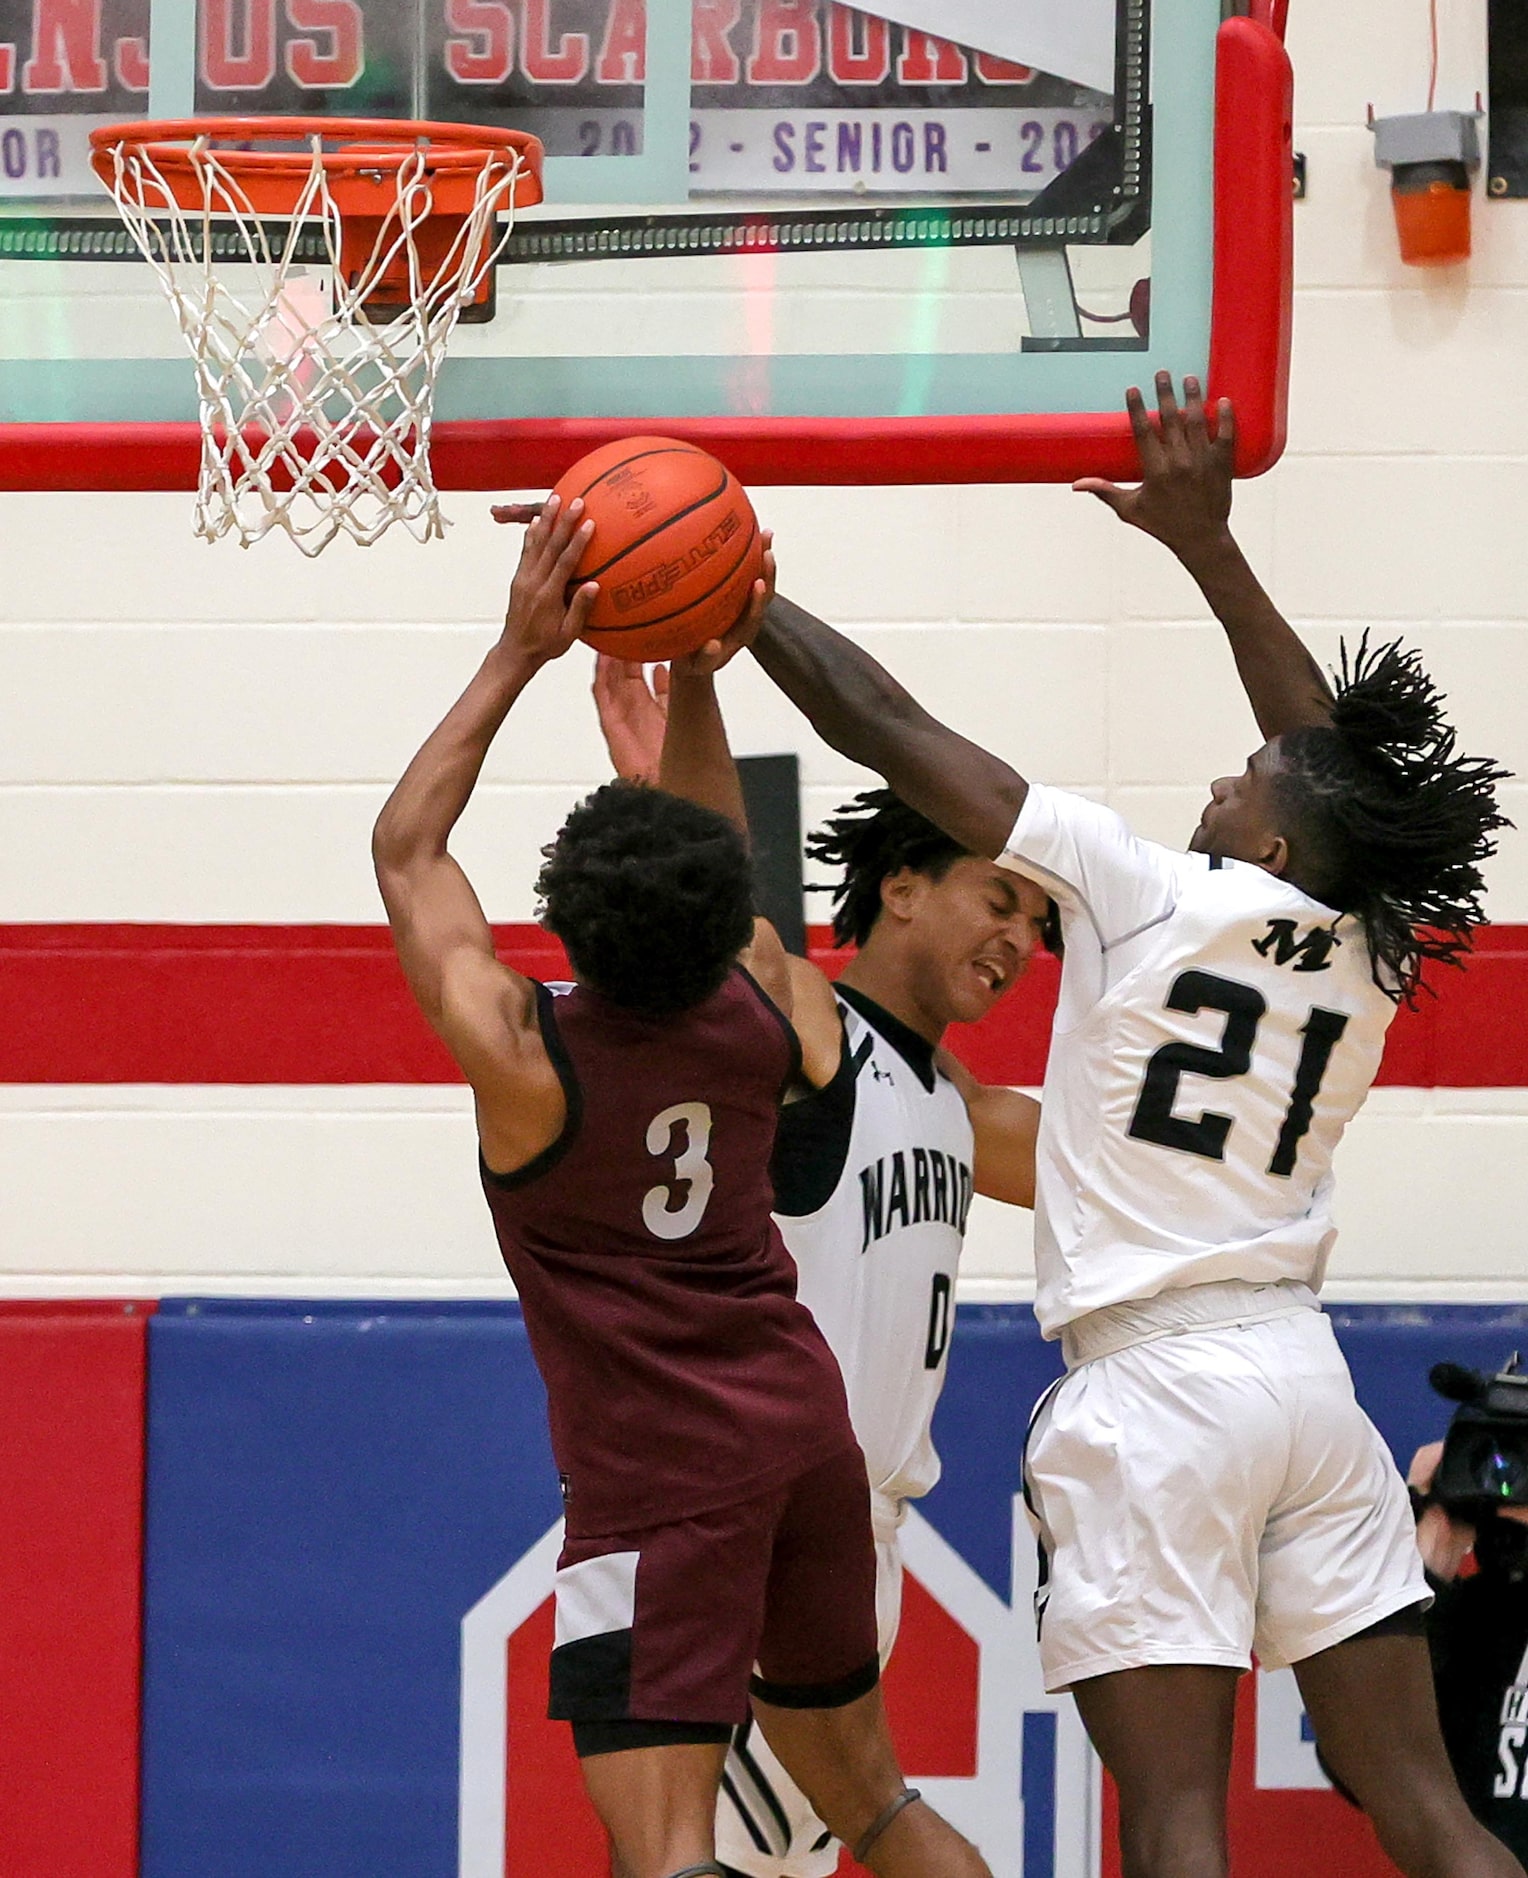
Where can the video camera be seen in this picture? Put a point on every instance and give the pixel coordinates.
(1485, 1453)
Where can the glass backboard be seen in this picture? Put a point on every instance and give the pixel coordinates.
(931, 242)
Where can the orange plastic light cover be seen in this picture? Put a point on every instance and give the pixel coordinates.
(1433, 223)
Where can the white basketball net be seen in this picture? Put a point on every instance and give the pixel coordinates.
(315, 419)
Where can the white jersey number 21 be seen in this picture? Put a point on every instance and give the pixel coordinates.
(661, 1218)
(1244, 1008)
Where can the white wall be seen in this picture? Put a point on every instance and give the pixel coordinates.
(195, 734)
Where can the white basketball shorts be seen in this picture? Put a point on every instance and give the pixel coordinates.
(1210, 1494)
(765, 1825)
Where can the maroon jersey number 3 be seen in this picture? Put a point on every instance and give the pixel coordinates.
(681, 1372)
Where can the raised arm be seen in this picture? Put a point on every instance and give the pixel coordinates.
(483, 1012)
(1184, 501)
(859, 708)
(698, 764)
(697, 761)
(697, 758)
(673, 734)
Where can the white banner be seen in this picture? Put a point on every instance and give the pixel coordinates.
(883, 152)
(48, 156)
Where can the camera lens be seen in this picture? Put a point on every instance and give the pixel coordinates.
(1501, 1473)
(1497, 1470)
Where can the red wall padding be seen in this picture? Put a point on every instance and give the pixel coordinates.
(71, 1543)
(327, 1004)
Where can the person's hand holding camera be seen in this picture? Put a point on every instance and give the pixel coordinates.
(1443, 1539)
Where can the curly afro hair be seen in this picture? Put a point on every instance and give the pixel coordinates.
(652, 896)
(1391, 821)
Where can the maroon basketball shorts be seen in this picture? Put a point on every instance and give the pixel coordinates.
(659, 1631)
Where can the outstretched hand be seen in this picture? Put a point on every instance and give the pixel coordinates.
(633, 715)
(543, 621)
(1187, 465)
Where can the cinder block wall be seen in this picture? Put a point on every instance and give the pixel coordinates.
(199, 735)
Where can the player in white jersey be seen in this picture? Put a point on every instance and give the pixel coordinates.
(876, 1165)
(1204, 1480)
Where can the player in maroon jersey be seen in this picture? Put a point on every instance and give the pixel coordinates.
(717, 1510)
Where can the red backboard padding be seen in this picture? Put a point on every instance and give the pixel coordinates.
(71, 1490)
(1253, 322)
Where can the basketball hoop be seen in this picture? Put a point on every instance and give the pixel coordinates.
(318, 345)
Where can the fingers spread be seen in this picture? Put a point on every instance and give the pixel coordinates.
(569, 541)
(1194, 412)
(1174, 427)
(1148, 438)
(611, 675)
(542, 523)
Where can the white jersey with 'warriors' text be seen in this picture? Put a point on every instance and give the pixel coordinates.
(873, 1186)
(1217, 1030)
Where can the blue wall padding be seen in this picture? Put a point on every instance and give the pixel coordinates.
(1391, 1347)
(999, 1366)
(333, 1486)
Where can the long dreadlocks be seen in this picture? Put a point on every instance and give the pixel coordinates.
(870, 839)
(1392, 824)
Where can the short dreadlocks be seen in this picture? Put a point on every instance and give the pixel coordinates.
(870, 839)
(1391, 823)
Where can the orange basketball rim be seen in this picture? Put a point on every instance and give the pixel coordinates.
(372, 167)
(316, 387)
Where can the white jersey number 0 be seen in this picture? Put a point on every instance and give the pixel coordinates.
(661, 1218)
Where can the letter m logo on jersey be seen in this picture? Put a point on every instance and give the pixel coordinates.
(975, 1729)
(1284, 945)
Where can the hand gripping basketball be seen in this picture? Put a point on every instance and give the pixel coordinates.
(548, 608)
(707, 660)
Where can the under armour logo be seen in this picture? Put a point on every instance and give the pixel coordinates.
(1285, 947)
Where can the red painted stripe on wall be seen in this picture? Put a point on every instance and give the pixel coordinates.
(327, 1004)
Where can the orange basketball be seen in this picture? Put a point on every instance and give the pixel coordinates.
(675, 548)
